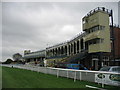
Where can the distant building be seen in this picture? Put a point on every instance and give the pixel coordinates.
(115, 60)
(26, 52)
(34, 57)
(17, 57)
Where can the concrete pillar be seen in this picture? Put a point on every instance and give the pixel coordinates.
(64, 50)
(68, 50)
(57, 52)
(79, 46)
(52, 52)
(76, 46)
(60, 51)
(83, 45)
(69, 46)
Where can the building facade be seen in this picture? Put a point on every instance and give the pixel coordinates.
(93, 48)
(36, 57)
(17, 57)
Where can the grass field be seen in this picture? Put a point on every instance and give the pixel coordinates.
(0, 77)
(19, 78)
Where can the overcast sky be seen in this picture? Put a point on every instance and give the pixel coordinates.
(37, 25)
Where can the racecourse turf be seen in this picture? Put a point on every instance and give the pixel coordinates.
(20, 78)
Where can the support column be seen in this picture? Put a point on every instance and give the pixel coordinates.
(63, 50)
(57, 52)
(53, 52)
(79, 46)
(68, 50)
(76, 46)
(100, 63)
(74, 51)
(71, 48)
(60, 51)
(83, 45)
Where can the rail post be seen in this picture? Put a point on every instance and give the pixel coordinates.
(80, 76)
(75, 77)
(67, 74)
(57, 73)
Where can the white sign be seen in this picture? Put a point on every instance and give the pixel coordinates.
(109, 79)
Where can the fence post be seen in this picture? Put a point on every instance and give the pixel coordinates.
(80, 75)
(67, 74)
(57, 73)
(38, 69)
(46, 70)
(50, 71)
(102, 81)
(75, 77)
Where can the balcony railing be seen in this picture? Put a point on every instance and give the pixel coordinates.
(99, 9)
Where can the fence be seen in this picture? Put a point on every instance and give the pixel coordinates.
(108, 78)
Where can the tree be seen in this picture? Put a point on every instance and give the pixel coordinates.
(8, 61)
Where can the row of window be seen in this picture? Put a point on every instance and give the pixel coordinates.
(95, 28)
(32, 54)
(96, 41)
(105, 58)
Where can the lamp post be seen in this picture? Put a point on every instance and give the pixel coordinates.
(113, 38)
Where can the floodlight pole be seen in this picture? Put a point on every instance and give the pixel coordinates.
(113, 38)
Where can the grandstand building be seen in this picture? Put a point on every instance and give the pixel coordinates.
(93, 48)
(34, 57)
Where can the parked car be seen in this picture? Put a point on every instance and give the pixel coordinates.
(71, 66)
(111, 69)
(76, 66)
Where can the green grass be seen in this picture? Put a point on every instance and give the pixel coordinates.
(0, 77)
(19, 78)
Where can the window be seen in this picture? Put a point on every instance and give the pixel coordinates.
(95, 28)
(116, 69)
(105, 69)
(96, 41)
(101, 27)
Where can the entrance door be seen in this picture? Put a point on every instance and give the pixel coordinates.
(95, 63)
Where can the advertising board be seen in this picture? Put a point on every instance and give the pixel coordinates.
(109, 79)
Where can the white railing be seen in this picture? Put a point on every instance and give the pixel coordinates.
(108, 78)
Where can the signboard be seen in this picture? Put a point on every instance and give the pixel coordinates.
(109, 79)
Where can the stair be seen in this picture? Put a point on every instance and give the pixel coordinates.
(77, 57)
